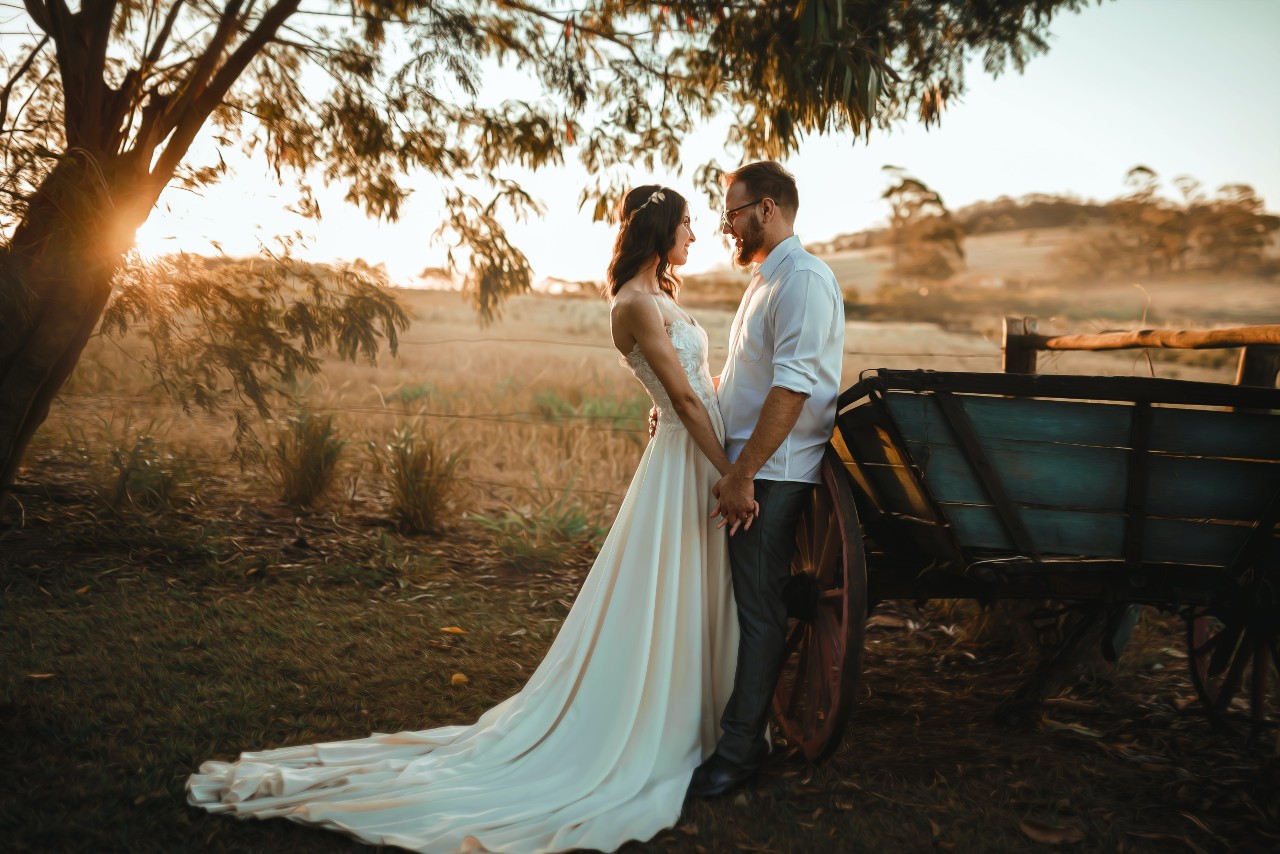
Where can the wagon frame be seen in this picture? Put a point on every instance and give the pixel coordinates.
(942, 485)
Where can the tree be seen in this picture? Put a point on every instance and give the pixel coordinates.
(1231, 231)
(100, 107)
(1151, 234)
(927, 241)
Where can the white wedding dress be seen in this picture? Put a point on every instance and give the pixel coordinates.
(599, 746)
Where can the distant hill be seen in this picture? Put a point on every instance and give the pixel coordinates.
(1036, 210)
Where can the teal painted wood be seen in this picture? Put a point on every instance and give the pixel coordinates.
(1017, 419)
(1178, 541)
(1056, 532)
(1064, 533)
(1036, 473)
(1069, 460)
(1212, 433)
(1197, 488)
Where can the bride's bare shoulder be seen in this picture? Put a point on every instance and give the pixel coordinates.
(626, 305)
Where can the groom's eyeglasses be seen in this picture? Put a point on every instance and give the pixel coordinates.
(727, 218)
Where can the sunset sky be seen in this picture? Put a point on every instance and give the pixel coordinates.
(1181, 86)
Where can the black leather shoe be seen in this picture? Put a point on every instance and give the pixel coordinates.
(718, 776)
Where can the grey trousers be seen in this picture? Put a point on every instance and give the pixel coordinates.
(760, 560)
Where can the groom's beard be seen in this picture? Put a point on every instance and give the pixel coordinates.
(752, 242)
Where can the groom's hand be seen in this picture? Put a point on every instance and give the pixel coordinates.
(735, 497)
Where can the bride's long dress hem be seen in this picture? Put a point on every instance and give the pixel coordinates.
(598, 748)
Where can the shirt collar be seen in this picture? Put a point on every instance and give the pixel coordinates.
(770, 264)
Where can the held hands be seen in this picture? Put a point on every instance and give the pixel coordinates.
(653, 421)
(735, 502)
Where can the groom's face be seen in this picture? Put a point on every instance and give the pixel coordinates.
(746, 230)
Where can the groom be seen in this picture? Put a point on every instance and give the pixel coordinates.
(778, 398)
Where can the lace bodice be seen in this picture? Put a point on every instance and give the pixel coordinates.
(690, 341)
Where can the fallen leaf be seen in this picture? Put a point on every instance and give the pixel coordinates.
(142, 799)
(83, 590)
(458, 679)
(41, 675)
(1050, 834)
(454, 630)
(1070, 727)
(887, 621)
(1198, 823)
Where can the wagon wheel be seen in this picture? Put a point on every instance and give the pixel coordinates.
(827, 596)
(1234, 652)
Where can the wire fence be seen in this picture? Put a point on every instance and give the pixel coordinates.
(605, 423)
(714, 349)
(608, 422)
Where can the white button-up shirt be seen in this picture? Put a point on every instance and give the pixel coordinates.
(789, 332)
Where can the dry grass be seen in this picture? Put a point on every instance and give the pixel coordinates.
(305, 457)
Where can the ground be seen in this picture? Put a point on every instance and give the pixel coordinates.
(132, 655)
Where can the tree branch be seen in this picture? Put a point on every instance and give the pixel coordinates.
(26, 66)
(204, 69)
(198, 111)
(95, 22)
(40, 16)
(157, 47)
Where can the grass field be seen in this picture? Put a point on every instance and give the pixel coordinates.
(143, 637)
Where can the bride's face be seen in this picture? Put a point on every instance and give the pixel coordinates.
(679, 253)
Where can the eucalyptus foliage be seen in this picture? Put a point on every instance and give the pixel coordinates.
(99, 108)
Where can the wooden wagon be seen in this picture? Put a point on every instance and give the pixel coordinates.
(1111, 492)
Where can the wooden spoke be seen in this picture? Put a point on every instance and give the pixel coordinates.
(828, 568)
(1235, 673)
(823, 652)
(1224, 650)
(793, 639)
(802, 672)
(1232, 653)
(1258, 695)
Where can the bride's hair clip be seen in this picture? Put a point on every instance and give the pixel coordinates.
(657, 197)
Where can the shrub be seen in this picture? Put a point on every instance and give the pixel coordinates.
(134, 469)
(543, 532)
(421, 477)
(305, 459)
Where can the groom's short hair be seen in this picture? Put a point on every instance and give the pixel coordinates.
(766, 179)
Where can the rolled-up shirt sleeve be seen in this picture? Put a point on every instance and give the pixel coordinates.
(802, 312)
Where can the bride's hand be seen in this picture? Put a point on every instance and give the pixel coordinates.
(744, 521)
(653, 421)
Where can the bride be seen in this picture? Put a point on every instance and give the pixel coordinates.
(599, 746)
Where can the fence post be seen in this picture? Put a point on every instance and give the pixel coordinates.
(1259, 365)
(1018, 357)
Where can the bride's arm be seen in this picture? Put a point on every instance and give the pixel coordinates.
(646, 325)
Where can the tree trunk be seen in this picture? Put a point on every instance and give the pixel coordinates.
(55, 279)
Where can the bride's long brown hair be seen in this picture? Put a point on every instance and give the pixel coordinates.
(648, 220)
